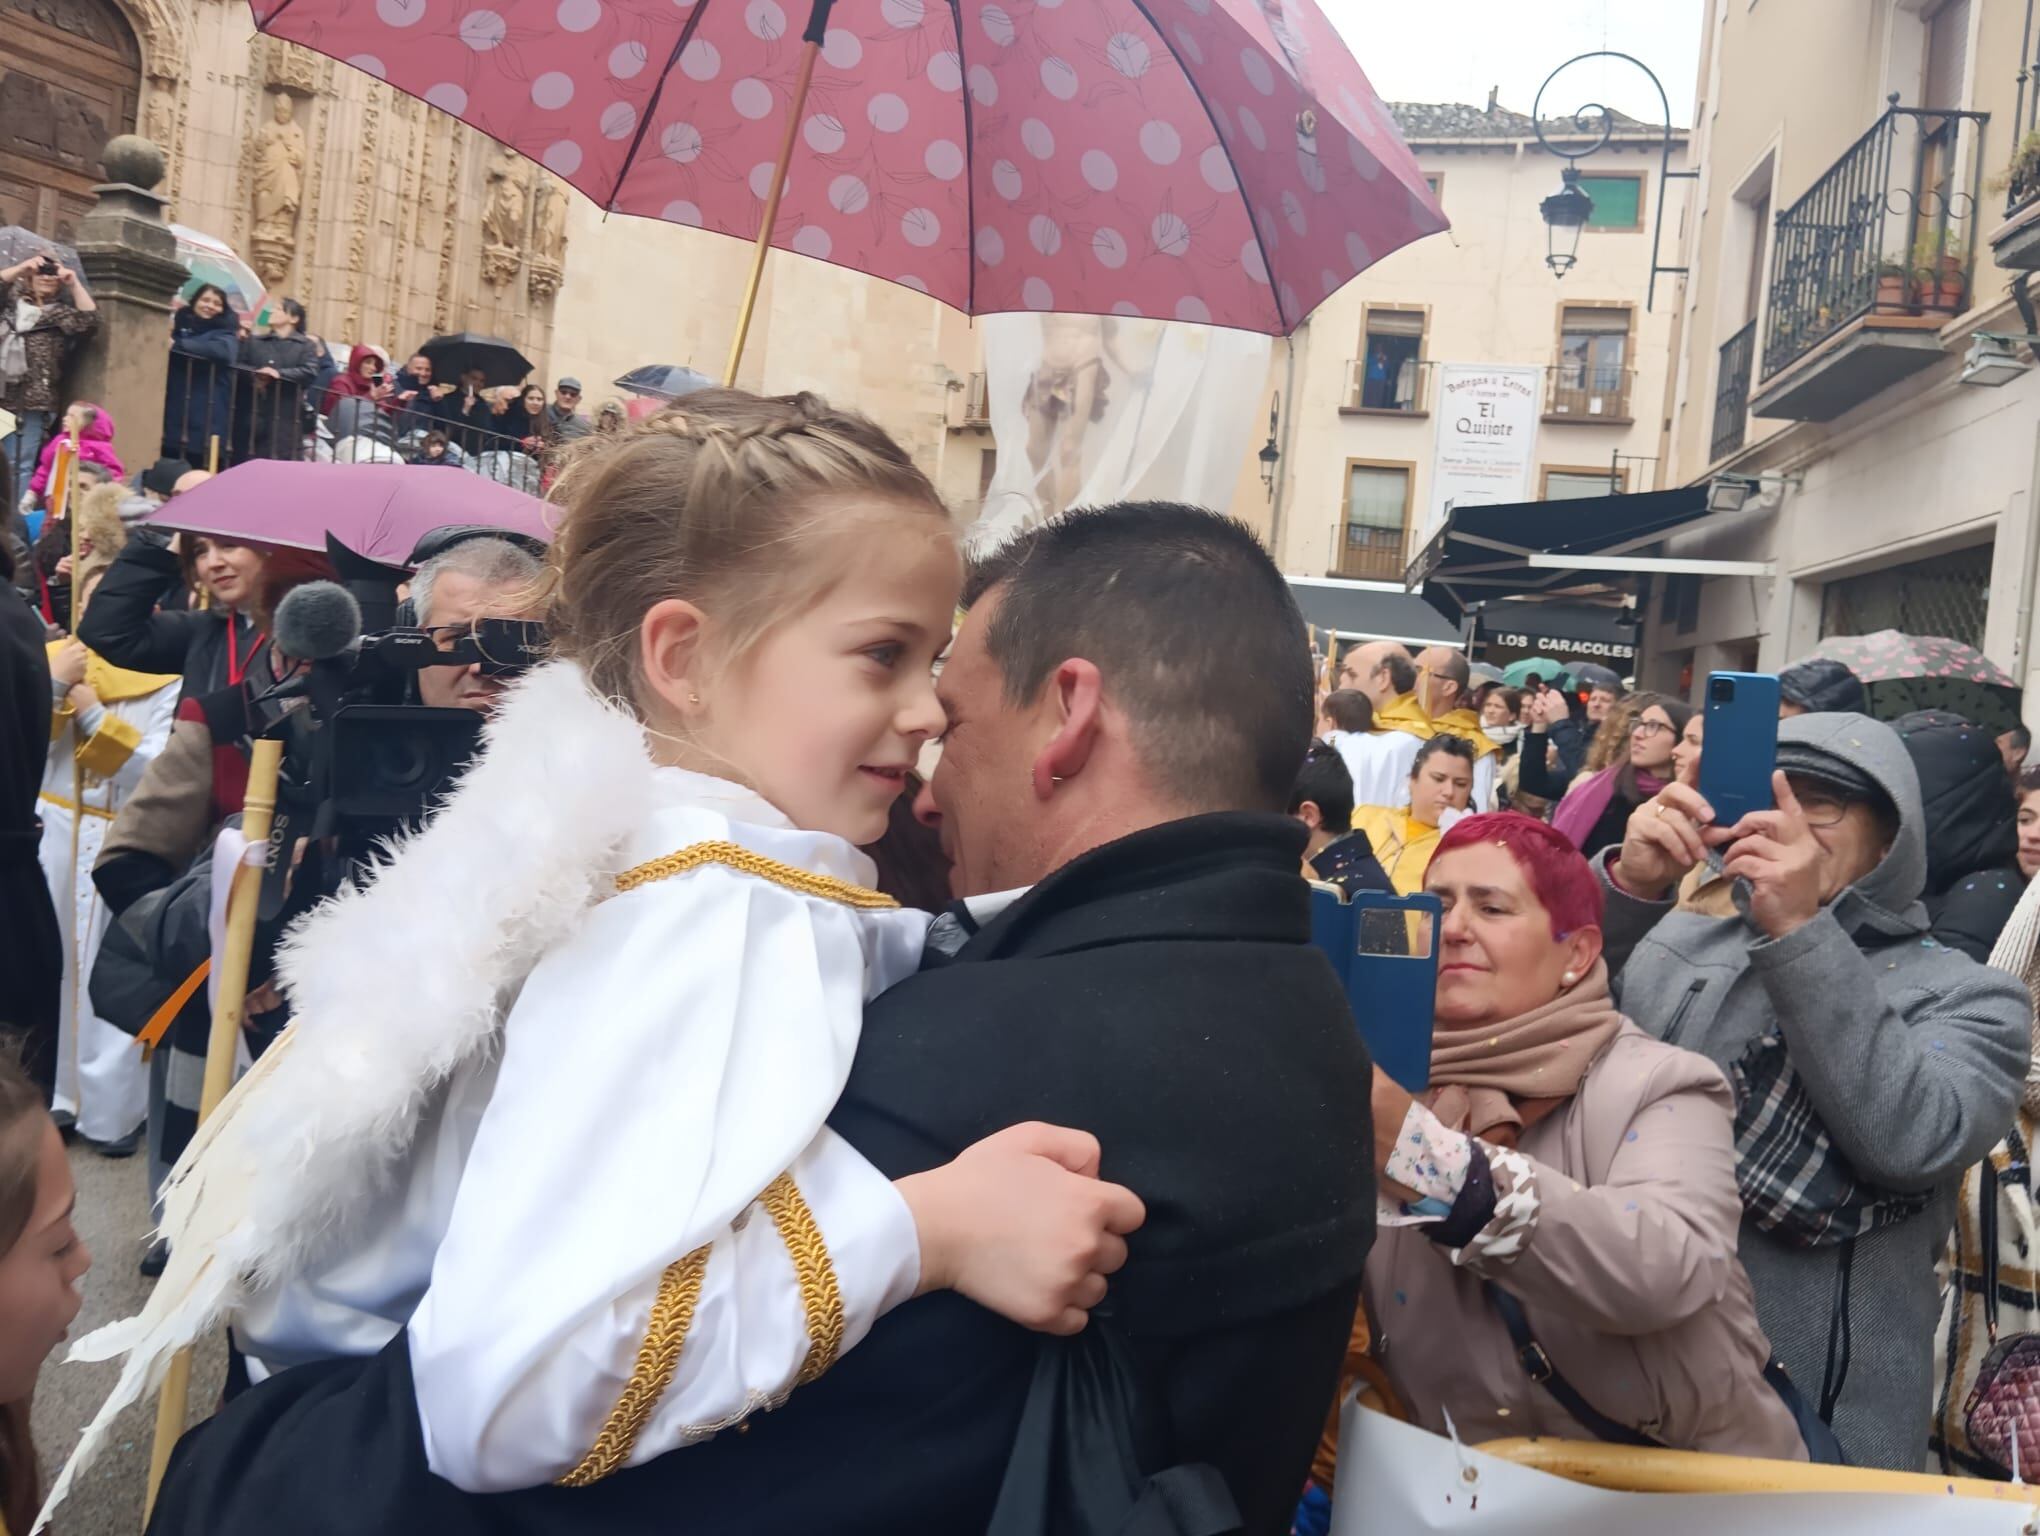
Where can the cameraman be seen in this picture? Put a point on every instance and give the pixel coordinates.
(44, 313)
(479, 578)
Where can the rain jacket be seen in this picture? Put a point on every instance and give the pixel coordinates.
(198, 396)
(95, 446)
(351, 384)
(1973, 878)
(1913, 1056)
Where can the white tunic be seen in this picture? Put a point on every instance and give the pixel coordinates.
(658, 1071)
(101, 1077)
(1381, 763)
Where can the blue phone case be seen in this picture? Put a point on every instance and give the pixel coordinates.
(1740, 747)
(1385, 951)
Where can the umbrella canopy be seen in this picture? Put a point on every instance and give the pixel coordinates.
(1591, 674)
(1220, 161)
(500, 361)
(18, 244)
(663, 381)
(377, 510)
(211, 260)
(1902, 673)
(1517, 673)
(1484, 673)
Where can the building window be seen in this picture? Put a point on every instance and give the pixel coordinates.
(1571, 482)
(1942, 74)
(1591, 379)
(1940, 595)
(1376, 521)
(1618, 200)
(1388, 375)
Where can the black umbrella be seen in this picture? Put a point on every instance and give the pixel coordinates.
(465, 351)
(663, 381)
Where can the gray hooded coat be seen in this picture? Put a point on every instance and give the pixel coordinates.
(1913, 1056)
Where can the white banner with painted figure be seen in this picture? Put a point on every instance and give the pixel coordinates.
(1486, 438)
(1087, 410)
(1398, 1480)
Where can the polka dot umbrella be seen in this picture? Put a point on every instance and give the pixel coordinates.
(1902, 673)
(1218, 161)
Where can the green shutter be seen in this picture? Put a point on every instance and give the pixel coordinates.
(1615, 199)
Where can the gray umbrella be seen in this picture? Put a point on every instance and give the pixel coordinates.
(18, 244)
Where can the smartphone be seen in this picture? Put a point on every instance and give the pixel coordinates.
(1739, 749)
(1384, 949)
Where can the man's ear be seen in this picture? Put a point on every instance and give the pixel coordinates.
(1309, 814)
(1075, 693)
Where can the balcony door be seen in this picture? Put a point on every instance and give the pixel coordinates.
(1376, 521)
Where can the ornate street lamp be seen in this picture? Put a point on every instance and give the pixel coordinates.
(1270, 454)
(1566, 210)
(1565, 215)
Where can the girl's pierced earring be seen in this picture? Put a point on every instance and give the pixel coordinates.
(694, 698)
(1567, 979)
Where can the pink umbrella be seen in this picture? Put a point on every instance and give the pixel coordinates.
(377, 510)
(1219, 161)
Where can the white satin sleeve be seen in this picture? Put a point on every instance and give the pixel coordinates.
(1483, 798)
(659, 1071)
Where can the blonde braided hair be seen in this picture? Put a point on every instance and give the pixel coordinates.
(734, 502)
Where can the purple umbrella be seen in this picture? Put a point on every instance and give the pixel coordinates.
(377, 510)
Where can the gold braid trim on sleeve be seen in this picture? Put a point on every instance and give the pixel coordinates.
(657, 1358)
(745, 861)
(819, 1293)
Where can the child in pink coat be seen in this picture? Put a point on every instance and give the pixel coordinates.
(92, 425)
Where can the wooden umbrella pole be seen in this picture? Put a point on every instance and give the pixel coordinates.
(229, 996)
(808, 54)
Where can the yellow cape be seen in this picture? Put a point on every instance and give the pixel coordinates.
(1407, 715)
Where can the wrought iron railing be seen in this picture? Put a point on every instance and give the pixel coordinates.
(219, 414)
(1587, 392)
(2022, 176)
(1406, 387)
(1890, 228)
(1732, 392)
(1369, 553)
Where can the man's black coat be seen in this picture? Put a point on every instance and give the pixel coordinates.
(1160, 992)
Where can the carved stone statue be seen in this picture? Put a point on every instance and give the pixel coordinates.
(278, 189)
(548, 237)
(503, 218)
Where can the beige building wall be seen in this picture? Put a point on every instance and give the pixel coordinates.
(1489, 298)
(1925, 468)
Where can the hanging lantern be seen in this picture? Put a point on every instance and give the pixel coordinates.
(1565, 214)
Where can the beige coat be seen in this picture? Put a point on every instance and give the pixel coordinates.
(1627, 1272)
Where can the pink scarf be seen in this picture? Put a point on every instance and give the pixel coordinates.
(1587, 800)
(1495, 1080)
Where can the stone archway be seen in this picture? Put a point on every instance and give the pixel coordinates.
(70, 79)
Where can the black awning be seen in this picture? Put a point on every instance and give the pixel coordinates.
(1362, 612)
(1482, 553)
(1583, 629)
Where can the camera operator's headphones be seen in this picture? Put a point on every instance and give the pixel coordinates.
(439, 540)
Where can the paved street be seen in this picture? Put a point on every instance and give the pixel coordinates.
(112, 1218)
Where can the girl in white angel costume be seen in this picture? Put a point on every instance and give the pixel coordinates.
(560, 1070)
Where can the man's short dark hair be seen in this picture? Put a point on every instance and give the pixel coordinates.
(1402, 672)
(1349, 710)
(2021, 737)
(1190, 624)
(1455, 668)
(1327, 783)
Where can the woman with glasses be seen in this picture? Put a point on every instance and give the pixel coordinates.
(1872, 1065)
(1597, 807)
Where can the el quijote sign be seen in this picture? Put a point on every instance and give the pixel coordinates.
(1487, 435)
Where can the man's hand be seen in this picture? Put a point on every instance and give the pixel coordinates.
(1664, 839)
(1778, 854)
(1022, 1225)
(1549, 708)
(82, 698)
(267, 373)
(68, 665)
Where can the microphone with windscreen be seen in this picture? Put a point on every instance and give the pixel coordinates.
(316, 622)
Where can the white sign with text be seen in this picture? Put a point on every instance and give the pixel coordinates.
(1487, 434)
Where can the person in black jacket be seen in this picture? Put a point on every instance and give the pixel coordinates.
(198, 394)
(1973, 878)
(209, 648)
(1323, 801)
(31, 976)
(274, 386)
(1131, 956)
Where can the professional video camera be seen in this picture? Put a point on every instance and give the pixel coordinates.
(363, 759)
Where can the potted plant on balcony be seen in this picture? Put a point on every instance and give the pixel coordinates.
(2015, 245)
(1894, 287)
(1941, 264)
